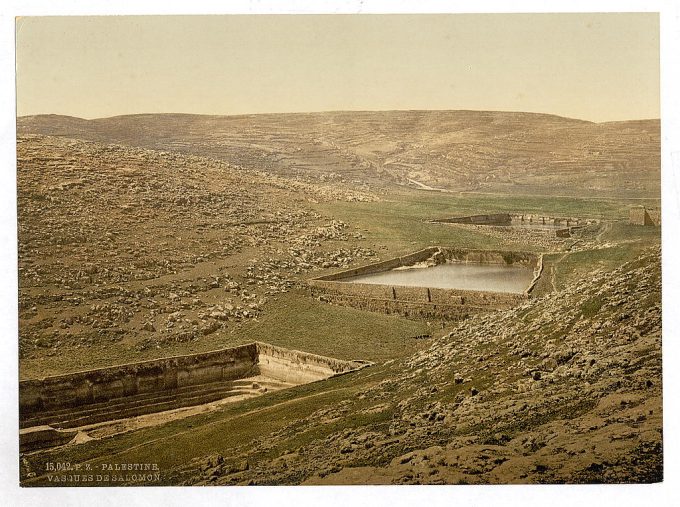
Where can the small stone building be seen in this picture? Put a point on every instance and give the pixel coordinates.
(639, 215)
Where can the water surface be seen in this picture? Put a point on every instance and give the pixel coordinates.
(482, 277)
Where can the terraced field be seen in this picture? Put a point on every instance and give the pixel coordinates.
(511, 153)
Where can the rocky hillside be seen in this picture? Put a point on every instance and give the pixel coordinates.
(517, 153)
(151, 248)
(566, 388)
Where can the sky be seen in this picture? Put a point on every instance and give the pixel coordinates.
(598, 67)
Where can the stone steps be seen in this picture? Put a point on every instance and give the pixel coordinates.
(131, 400)
(148, 403)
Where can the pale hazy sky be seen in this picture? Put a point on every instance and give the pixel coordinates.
(597, 67)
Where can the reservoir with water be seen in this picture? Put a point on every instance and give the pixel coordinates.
(455, 275)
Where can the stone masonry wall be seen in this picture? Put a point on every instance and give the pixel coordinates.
(640, 215)
(81, 388)
(514, 218)
(299, 367)
(377, 267)
(488, 219)
(135, 378)
(423, 302)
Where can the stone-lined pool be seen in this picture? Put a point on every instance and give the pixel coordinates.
(455, 275)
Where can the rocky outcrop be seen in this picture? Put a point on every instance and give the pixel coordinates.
(157, 249)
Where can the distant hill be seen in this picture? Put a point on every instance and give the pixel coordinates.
(519, 153)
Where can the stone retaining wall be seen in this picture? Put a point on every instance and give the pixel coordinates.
(298, 367)
(414, 294)
(639, 215)
(103, 384)
(418, 310)
(531, 218)
(378, 267)
(516, 218)
(537, 275)
(488, 219)
(424, 302)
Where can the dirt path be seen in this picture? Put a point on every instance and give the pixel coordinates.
(250, 413)
(423, 186)
(553, 271)
(607, 226)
